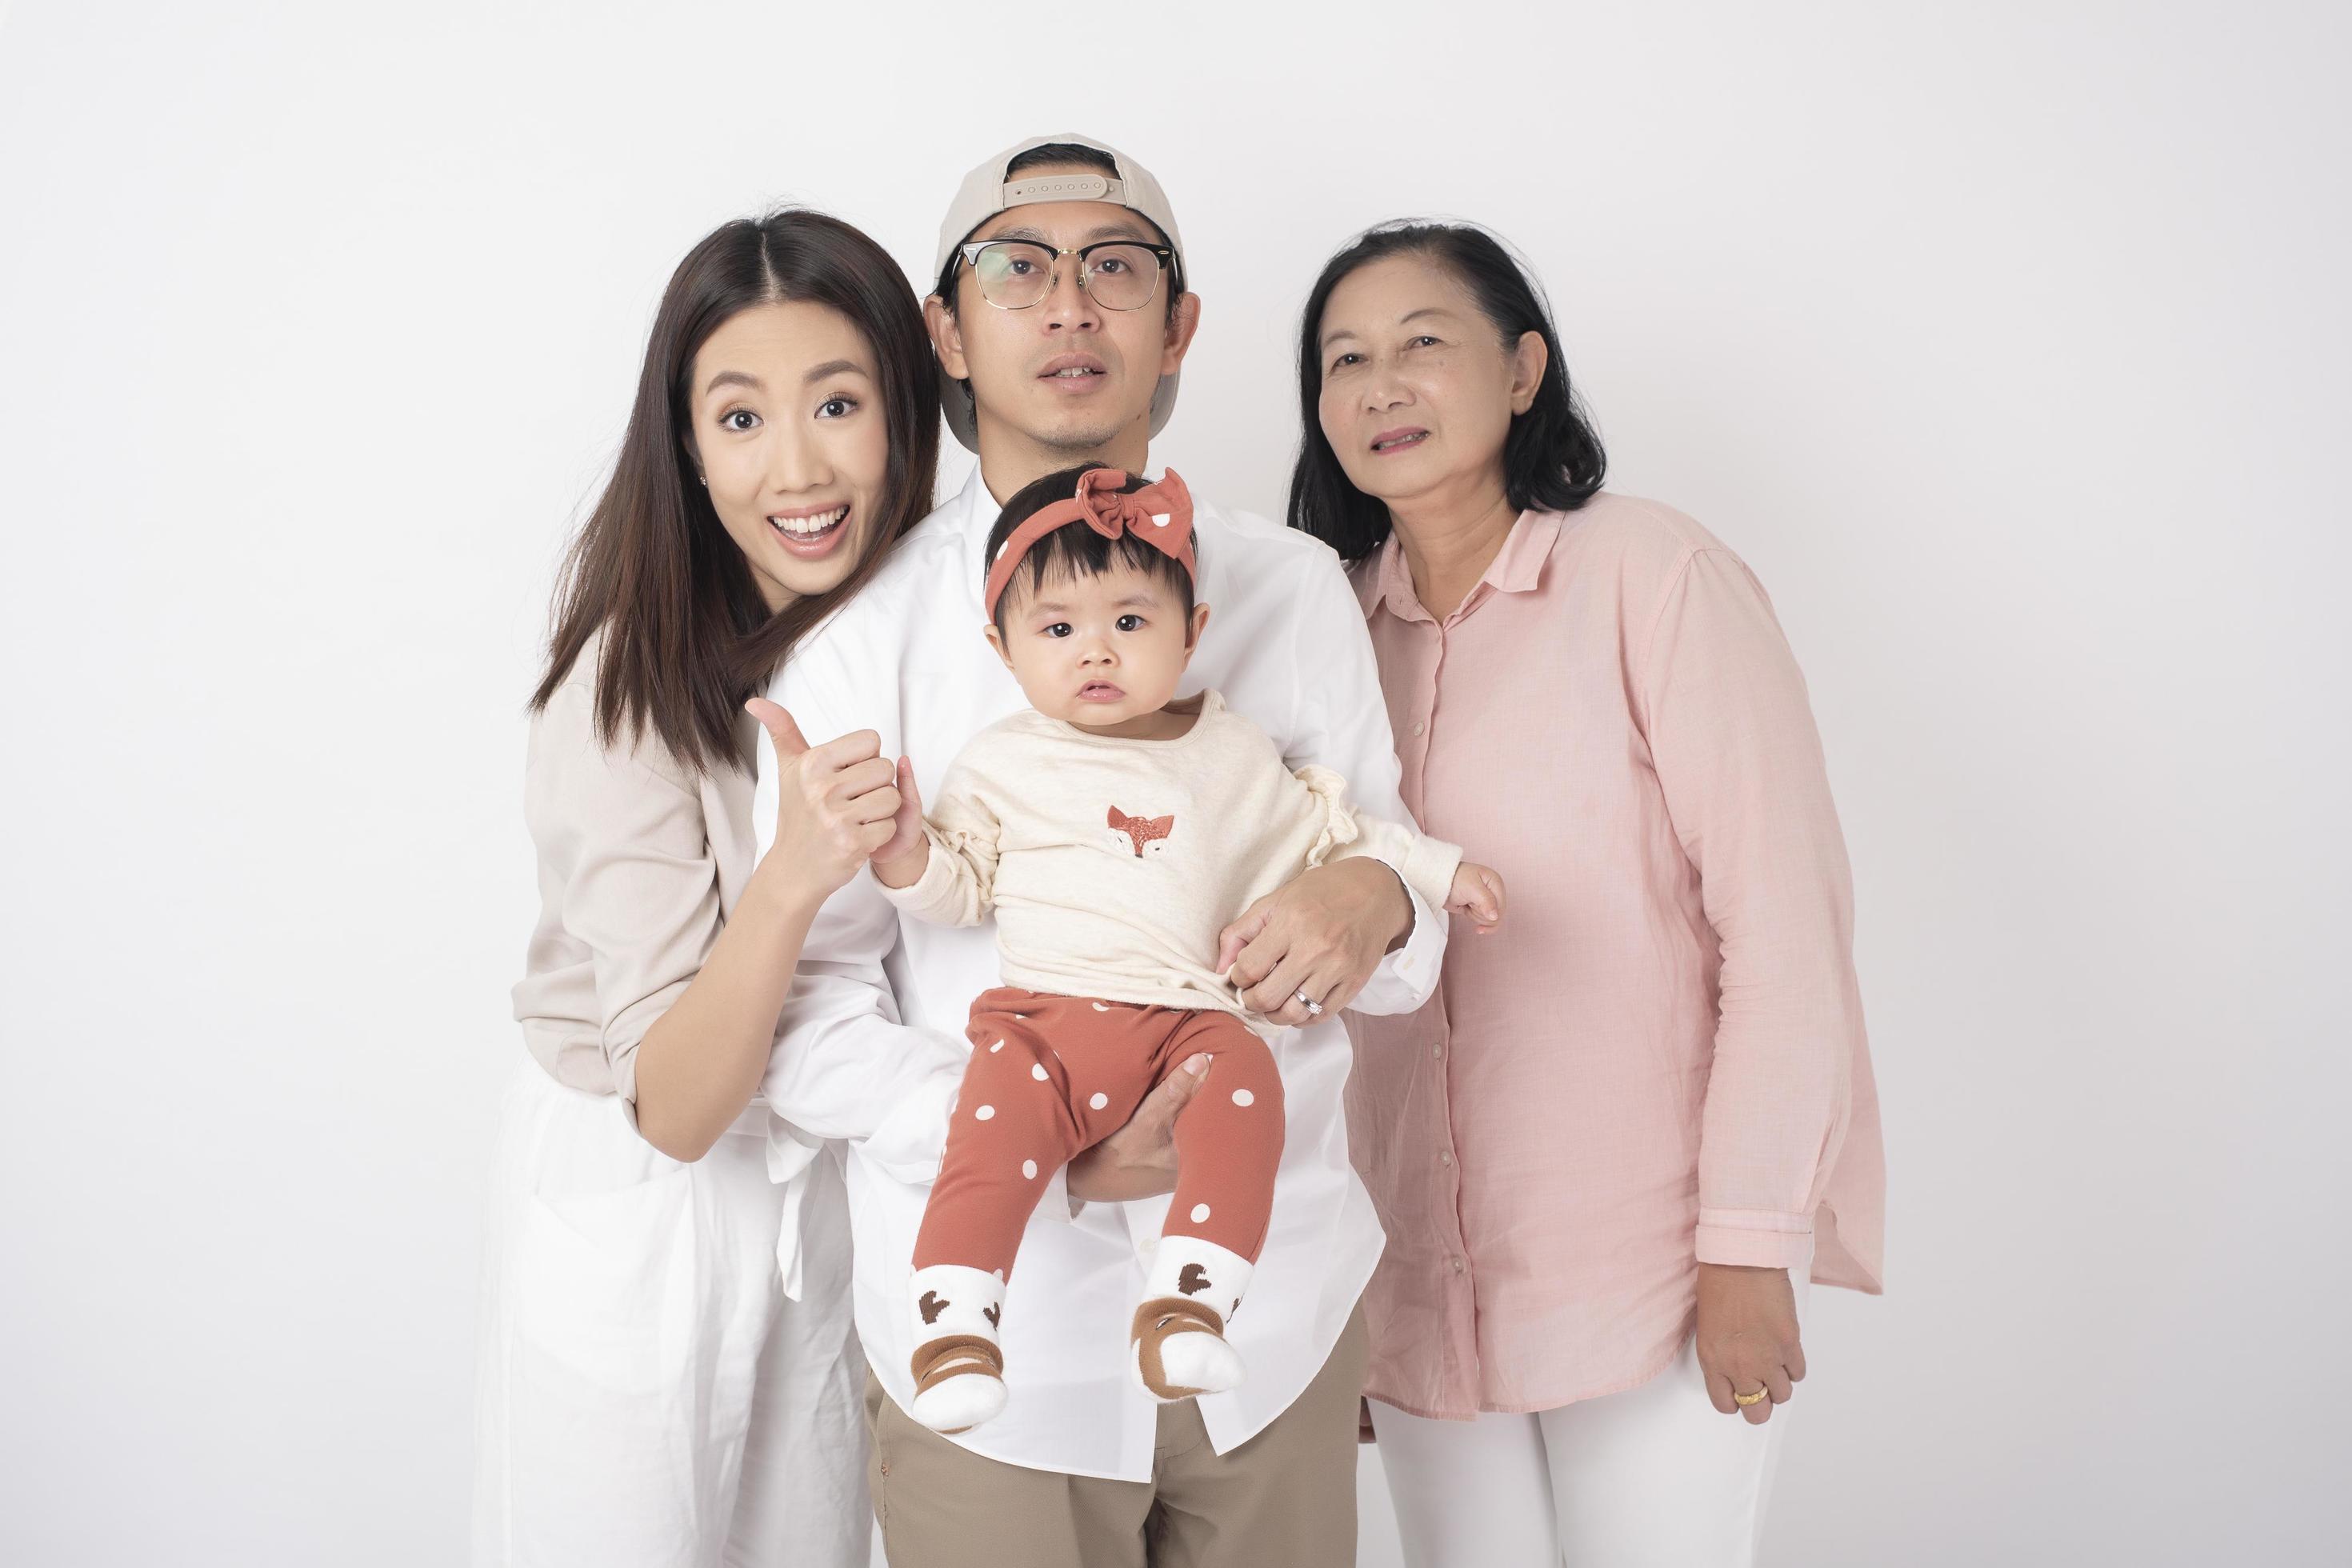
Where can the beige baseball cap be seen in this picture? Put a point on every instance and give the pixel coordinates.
(985, 192)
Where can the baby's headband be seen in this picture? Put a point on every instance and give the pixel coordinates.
(1159, 514)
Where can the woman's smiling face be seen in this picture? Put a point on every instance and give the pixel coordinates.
(1419, 391)
(789, 434)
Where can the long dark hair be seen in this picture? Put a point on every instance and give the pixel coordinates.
(1552, 459)
(686, 635)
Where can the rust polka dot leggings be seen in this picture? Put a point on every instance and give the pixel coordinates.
(1052, 1076)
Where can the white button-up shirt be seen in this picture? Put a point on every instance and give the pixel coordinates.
(872, 1047)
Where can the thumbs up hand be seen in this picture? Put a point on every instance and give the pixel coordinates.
(786, 734)
(836, 804)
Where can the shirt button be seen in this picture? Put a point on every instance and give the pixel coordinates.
(1445, 1157)
(1437, 1053)
(1457, 1266)
(1419, 728)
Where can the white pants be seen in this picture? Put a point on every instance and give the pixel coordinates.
(647, 1397)
(1654, 1476)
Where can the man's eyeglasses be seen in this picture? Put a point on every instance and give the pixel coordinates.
(1117, 274)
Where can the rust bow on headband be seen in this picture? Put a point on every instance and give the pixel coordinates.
(1159, 514)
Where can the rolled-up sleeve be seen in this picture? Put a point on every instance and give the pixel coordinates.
(622, 829)
(844, 1065)
(1732, 738)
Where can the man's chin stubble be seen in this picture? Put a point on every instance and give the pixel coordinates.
(1079, 439)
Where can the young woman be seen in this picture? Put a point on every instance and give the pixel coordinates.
(654, 1389)
(1637, 1120)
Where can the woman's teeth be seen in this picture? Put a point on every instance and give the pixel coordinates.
(810, 527)
(1399, 441)
(1072, 373)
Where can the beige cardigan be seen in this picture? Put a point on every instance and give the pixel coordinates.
(640, 862)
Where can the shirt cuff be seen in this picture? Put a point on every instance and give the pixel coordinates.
(1429, 868)
(912, 1137)
(1755, 1238)
(926, 892)
(1407, 978)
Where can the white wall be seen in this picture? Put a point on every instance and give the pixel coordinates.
(2008, 341)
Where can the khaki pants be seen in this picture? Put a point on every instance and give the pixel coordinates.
(1286, 1499)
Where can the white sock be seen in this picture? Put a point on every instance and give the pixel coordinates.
(1192, 1270)
(949, 1298)
(1185, 1267)
(1194, 1360)
(950, 1301)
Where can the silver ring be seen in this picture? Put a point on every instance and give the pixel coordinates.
(1314, 1008)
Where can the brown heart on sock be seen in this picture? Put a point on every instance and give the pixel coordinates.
(991, 1314)
(1193, 1280)
(932, 1305)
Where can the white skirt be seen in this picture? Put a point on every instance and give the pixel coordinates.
(648, 1397)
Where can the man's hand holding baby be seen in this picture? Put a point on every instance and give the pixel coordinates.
(1321, 933)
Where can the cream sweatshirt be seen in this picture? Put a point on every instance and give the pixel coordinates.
(1112, 865)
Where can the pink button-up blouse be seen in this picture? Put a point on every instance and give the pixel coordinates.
(1658, 1060)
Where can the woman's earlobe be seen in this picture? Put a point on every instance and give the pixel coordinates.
(1532, 359)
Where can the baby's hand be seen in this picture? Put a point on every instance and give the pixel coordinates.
(1477, 892)
(901, 862)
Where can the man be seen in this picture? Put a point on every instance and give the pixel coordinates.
(1060, 323)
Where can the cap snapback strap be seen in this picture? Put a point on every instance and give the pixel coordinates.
(1065, 188)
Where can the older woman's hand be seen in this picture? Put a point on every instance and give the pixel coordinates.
(1748, 1338)
(1323, 933)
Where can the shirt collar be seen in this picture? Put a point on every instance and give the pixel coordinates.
(1518, 568)
(974, 511)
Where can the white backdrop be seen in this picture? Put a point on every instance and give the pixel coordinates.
(2008, 341)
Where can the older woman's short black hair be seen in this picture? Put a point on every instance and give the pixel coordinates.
(1552, 459)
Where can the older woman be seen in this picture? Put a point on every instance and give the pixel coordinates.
(1638, 1120)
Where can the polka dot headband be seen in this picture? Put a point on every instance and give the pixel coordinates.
(1159, 514)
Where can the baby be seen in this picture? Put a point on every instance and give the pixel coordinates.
(1115, 832)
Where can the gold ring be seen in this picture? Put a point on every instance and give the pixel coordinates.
(1745, 1399)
